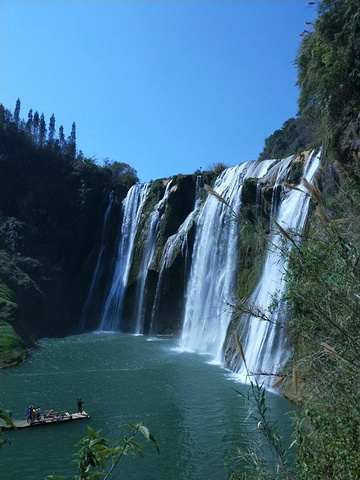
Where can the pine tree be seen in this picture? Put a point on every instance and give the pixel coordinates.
(42, 130)
(51, 135)
(17, 111)
(29, 123)
(62, 142)
(71, 146)
(36, 126)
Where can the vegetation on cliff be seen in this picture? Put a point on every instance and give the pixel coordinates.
(324, 274)
(53, 199)
(328, 71)
(323, 294)
(328, 65)
(296, 135)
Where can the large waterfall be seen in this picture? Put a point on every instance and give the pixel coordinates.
(212, 280)
(174, 244)
(264, 342)
(132, 208)
(176, 266)
(148, 252)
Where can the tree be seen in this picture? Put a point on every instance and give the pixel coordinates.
(71, 143)
(36, 126)
(296, 135)
(29, 123)
(328, 66)
(95, 452)
(123, 176)
(42, 130)
(62, 141)
(52, 131)
(17, 111)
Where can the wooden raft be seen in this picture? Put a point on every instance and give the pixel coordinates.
(53, 418)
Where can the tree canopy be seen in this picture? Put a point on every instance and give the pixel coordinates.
(53, 201)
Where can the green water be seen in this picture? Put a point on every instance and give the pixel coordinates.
(188, 404)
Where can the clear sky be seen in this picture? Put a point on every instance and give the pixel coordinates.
(165, 86)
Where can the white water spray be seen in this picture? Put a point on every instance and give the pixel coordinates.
(212, 279)
(148, 253)
(264, 343)
(132, 209)
(175, 244)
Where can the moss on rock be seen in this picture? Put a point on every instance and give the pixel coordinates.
(12, 348)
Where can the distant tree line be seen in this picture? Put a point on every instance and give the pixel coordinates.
(35, 127)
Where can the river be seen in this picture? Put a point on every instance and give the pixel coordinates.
(189, 404)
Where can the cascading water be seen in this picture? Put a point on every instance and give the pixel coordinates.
(212, 277)
(132, 209)
(263, 342)
(98, 266)
(174, 244)
(210, 281)
(148, 253)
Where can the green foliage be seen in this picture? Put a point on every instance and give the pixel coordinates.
(253, 225)
(14, 269)
(96, 452)
(296, 135)
(218, 168)
(323, 294)
(296, 170)
(5, 422)
(328, 67)
(7, 305)
(122, 176)
(269, 458)
(52, 214)
(12, 348)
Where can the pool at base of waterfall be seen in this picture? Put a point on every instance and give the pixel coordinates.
(189, 405)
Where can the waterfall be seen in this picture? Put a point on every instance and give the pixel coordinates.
(199, 292)
(132, 208)
(148, 253)
(212, 278)
(175, 243)
(265, 344)
(98, 266)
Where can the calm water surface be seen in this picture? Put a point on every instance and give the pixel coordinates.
(188, 404)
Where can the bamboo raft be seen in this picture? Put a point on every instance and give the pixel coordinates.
(52, 418)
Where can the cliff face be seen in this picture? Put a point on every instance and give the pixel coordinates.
(149, 274)
(74, 283)
(154, 282)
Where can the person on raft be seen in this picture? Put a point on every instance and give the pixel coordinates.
(79, 405)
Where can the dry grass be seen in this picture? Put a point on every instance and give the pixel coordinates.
(331, 351)
(278, 381)
(212, 192)
(291, 186)
(295, 380)
(314, 192)
(284, 232)
(322, 214)
(239, 347)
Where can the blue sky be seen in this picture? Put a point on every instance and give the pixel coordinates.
(165, 86)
